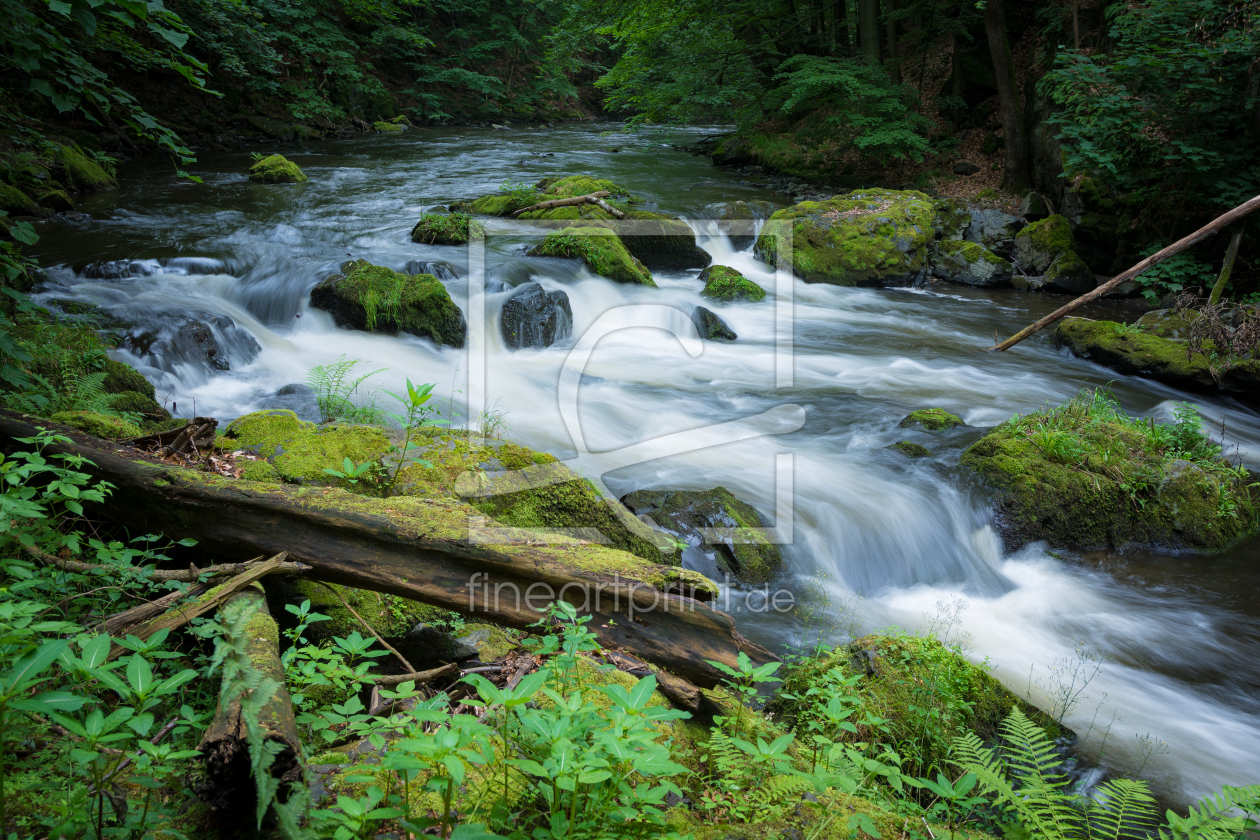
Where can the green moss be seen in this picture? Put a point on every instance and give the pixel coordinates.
(82, 173)
(445, 229)
(1039, 244)
(866, 238)
(492, 205)
(1137, 353)
(1068, 267)
(56, 200)
(492, 643)
(300, 451)
(259, 471)
(971, 263)
(371, 296)
(121, 377)
(387, 127)
(15, 202)
(389, 615)
(100, 425)
(575, 185)
(910, 450)
(932, 419)
(276, 169)
(600, 249)
(1085, 475)
(726, 284)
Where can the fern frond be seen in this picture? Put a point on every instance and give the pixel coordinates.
(1211, 818)
(1031, 759)
(1121, 808)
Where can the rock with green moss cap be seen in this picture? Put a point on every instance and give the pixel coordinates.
(909, 449)
(548, 189)
(445, 229)
(1041, 243)
(872, 237)
(82, 173)
(276, 169)
(100, 425)
(745, 554)
(56, 200)
(723, 283)
(952, 219)
(932, 419)
(15, 202)
(710, 326)
(1068, 273)
(135, 394)
(601, 250)
(300, 451)
(374, 298)
(1100, 487)
(387, 127)
(970, 264)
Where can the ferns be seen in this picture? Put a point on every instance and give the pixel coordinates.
(1022, 777)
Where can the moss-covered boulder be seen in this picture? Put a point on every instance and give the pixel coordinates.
(1102, 225)
(445, 229)
(387, 127)
(601, 250)
(300, 451)
(932, 419)
(134, 393)
(1069, 273)
(276, 169)
(82, 173)
(100, 425)
(505, 204)
(723, 283)
(1041, 243)
(1083, 478)
(372, 297)
(952, 218)
(15, 202)
(718, 522)
(969, 264)
(56, 200)
(871, 237)
(910, 449)
(710, 326)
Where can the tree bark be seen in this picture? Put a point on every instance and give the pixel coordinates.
(1227, 267)
(1016, 161)
(868, 29)
(1154, 259)
(425, 550)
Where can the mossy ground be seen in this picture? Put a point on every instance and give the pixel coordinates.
(387, 127)
(932, 419)
(1085, 475)
(445, 229)
(100, 425)
(300, 451)
(726, 284)
(870, 237)
(276, 169)
(600, 249)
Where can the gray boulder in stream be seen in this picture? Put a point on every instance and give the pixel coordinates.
(750, 557)
(969, 264)
(994, 230)
(532, 317)
(711, 327)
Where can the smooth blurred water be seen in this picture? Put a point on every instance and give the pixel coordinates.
(1182, 633)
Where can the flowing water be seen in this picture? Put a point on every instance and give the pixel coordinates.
(1181, 633)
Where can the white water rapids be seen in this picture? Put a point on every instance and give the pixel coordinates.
(1182, 634)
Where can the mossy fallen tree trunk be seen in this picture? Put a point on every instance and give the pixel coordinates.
(433, 550)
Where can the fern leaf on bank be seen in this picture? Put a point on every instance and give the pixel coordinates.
(1217, 817)
(1121, 808)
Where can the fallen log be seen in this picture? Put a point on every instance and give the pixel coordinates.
(224, 747)
(1154, 259)
(425, 549)
(606, 207)
(417, 677)
(190, 575)
(564, 202)
(680, 692)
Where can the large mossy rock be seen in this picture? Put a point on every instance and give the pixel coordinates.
(932, 419)
(300, 451)
(445, 229)
(1139, 351)
(871, 237)
(505, 204)
(969, 264)
(82, 173)
(725, 284)
(135, 393)
(276, 169)
(372, 297)
(1077, 491)
(687, 514)
(15, 202)
(533, 317)
(993, 229)
(601, 250)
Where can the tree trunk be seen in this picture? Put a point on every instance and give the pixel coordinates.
(890, 30)
(425, 550)
(1016, 176)
(868, 30)
(1227, 267)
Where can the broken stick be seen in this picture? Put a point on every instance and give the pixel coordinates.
(565, 202)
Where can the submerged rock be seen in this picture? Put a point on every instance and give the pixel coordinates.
(932, 419)
(871, 237)
(276, 169)
(969, 264)
(371, 297)
(723, 283)
(201, 330)
(600, 249)
(532, 317)
(710, 326)
(445, 229)
(740, 211)
(910, 450)
(750, 557)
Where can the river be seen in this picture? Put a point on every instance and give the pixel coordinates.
(885, 540)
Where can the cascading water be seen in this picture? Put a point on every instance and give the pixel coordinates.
(1182, 633)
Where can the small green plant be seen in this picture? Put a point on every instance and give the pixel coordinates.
(335, 384)
(416, 414)
(520, 192)
(352, 472)
(743, 680)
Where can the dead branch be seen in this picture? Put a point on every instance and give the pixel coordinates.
(565, 202)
